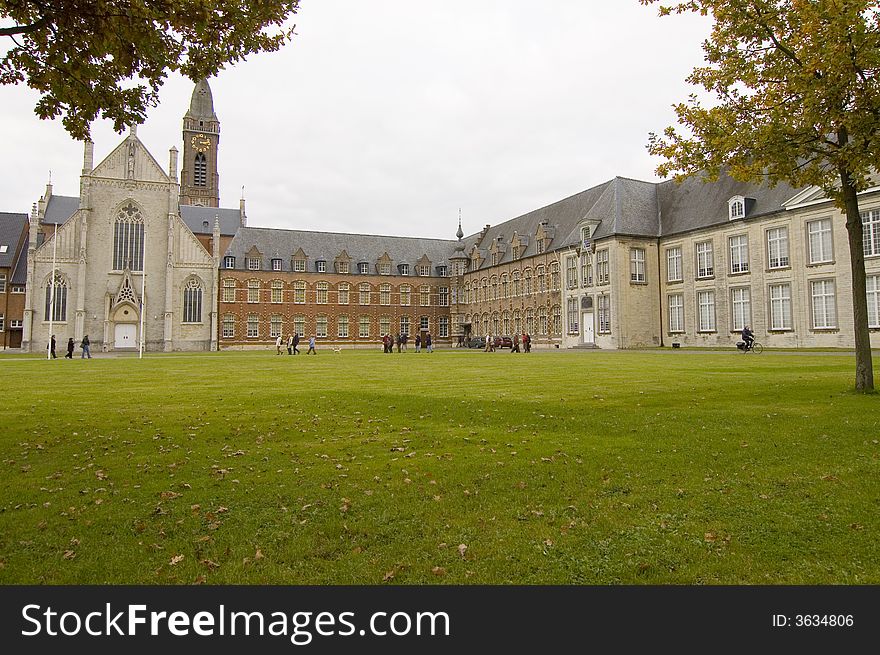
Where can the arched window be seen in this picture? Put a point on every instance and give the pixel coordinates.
(56, 297)
(128, 239)
(200, 170)
(321, 294)
(405, 295)
(505, 289)
(364, 294)
(384, 294)
(192, 301)
(228, 290)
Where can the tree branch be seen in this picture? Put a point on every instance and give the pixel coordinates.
(26, 29)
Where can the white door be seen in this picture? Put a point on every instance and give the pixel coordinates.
(126, 335)
(588, 327)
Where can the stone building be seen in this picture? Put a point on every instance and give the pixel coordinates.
(13, 265)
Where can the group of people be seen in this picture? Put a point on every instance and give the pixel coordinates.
(515, 341)
(84, 345)
(401, 340)
(293, 345)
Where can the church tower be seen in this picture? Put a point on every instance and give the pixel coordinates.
(199, 180)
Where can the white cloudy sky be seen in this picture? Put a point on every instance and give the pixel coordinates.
(387, 117)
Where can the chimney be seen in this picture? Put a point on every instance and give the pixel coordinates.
(241, 211)
(215, 240)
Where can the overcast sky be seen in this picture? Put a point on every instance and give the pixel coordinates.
(387, 117)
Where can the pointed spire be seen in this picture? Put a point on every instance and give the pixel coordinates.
(201, 105)
(132, 131)
(459, 233)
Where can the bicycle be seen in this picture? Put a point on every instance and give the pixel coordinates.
(756, 348)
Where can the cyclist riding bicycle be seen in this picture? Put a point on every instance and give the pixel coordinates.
(748, 336)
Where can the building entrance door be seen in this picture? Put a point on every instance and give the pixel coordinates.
(588, 327)
(126, 335)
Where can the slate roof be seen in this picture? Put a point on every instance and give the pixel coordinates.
(277, 243)
(60, 208)
(695, 204)
(19, 275)
(11, 226)
(195, 218)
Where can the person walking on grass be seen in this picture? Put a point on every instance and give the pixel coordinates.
(70, 348)
(418, 343)
(85, 348)
(295, 343)
(514, 345)
(429, 347)
(311, 350)
(52, 347)
(289, 344)
(278, 345)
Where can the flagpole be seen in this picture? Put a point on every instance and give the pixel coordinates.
(143, 291)
(52, 292)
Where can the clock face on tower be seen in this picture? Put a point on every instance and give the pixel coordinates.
(200, 143)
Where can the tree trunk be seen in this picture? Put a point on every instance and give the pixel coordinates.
(864, 364)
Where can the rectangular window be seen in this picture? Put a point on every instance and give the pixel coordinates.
(443, 297)
(385, 269)
(384, 325)
(299, 325)
(705, 259)
(253, 263)
(819, 238)
(425, 296)
(321, 266)
(706, 311)
(740, 307)
(872, 287)
(321, 326)
(571, 273)
(277, 291)
(637, 265)
(404, 324)
(602, 268)
(673, 265)
(275, 326)
(424, 325)
(228, 326)
(539, 246)
(253, 326)
(2, 323)
(586, 272)
(321, 293)
(384, 294)
(299, 265)
(824, 304)
(364, 294)
(443, 271)
(299, 292)
(604, 313)
(424, 271)
(676, 313)
(15, 324)
(16, 288)
(229, 262)
(871, 232)
(404, 269)
(443, 326)
(405, 295)
(228, 290)
(572, 315)
(739, 254)
(780, 306)
(342, 267)
(363, 268)
(343, 293)
(276, 264)
(253, 291)
(364, 327)
(777, 247)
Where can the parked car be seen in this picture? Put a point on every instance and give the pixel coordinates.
(502, 342)
(476, 342)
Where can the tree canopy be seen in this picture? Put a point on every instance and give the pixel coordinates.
(109, 58)
(796, 97)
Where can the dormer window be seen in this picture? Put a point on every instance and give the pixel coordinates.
(539, 246)
(321, 266)
(299, 265)
(516, 251)
(494, 259)
(403, 269)
(253, 263)
(736, 208)
(276, 264)
(229, 262)
(363, 268)
(424, 271)
(586, 241)
(341, 267)
(442, 271)
(384, 269)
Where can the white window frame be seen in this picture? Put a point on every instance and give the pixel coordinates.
(321, 326)
(871, 232)
(820, 241)
(637, 266)
(253, 291)
(299, 292)
(254, 263)
(253, 326)
(778, 253)
(674, 271)
(740, 307)
(229, 286)
(342, 326)
(779, 297)
(228, 326)
(229, 261)
(603, 311)
(276, 264)
(823, 301)
(603, 267)
(738, 247)
(706, 311)
(572, 312)
(364, 327)
(443, 326)
(675, 303)
(705, 259)
(299, 265)
(277, 287)
(276, 326)
(322, 292)
(872, 290)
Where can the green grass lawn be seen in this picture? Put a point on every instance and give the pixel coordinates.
(450, 468)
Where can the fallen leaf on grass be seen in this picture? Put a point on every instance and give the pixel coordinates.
(462, 549)
(438, 571)
(177, 559)
(69, 554)
(388, 576)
